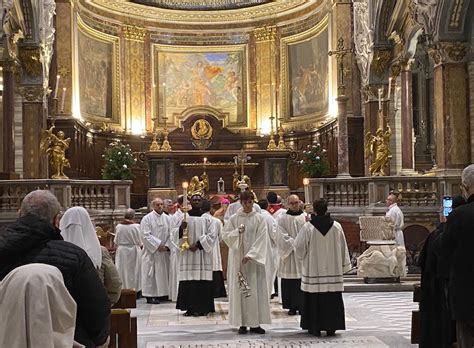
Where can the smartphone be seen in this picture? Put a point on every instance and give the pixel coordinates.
(447, 205)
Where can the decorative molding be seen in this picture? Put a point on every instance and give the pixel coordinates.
(265, 34)
(200, 5)
(32, 94)
(424, 13)
(30, 60)
(449, 52)
(455, 20)
(47, 30)
(380, 61)
(363, 39)
(134, 33)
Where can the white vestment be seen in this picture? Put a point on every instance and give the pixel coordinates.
(396, 215)
(233, 208)
(254, 310)
(195, 265)
(288, 228)
(174, 250)
(36, 309)
(155, 229)
(271, 262)
(325, 258)
(128, 257)
(216, 224)
(280, 212)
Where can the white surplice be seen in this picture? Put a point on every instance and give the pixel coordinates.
(174, 250)
(233, 208)
(195, 265)
(216, 224)
(325, 258)
(288, 228)
(254, 310)
(155, 231)
(128, 257)
(396, 215)
(271, 263)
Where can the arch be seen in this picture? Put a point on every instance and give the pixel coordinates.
(222, 117)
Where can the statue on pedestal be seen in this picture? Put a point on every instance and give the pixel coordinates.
(378, 146)
(197, 186)
(55, 147)
(220, 186)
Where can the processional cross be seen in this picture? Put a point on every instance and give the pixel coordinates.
(241, 158)
(340, 53)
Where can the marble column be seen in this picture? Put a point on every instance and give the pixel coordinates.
(471, 103)
(34, 121)
(408, 161)
(342, 138)
(8, 129)
(452, 135)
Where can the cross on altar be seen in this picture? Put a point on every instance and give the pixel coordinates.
(241, 158)
(340, 53)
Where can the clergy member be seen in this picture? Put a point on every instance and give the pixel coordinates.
(321, 245)
(128, 257)
(155, 228)
(174, 250)
(396, 215)
(235, 206)
(195, 291)
(289, 270)
(217, 276)
(246, 235)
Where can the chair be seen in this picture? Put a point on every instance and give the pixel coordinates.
(123, 327)
(376, 230)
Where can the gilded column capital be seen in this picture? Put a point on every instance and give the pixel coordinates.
(265, 33)
(32, 94)
(406, 64)
(448, 52)
(134, 33)
(30, 61)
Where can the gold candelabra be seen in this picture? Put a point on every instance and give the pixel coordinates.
(154, 144)
(185, 238)
(271, 143)
(166, 144)
(281, 142)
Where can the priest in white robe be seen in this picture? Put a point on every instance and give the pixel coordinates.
(217, 275)
(195, 292)
(177, 217)
(272, 260)
(247, 237)
(396, 215)
(155, 228)
(289, 225)
(234, 207)
(322, 247)
(128, 257)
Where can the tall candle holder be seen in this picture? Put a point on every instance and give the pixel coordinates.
(166, 144)
(281, 142)
(154, 146)
(271, 143)
(185, 238)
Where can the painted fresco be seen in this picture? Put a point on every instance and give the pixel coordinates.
(210, 79)
(95, 60)
(309, 76)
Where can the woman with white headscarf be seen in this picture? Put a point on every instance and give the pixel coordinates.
(36, 308)
(77, 228)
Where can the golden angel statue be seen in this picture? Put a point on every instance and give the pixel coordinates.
(55, 147)
(378, 146)
(197, 186)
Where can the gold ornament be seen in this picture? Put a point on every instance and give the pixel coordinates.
(55, 147)
(378, 146)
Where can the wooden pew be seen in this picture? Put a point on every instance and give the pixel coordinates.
(123, 327)
(415, 316)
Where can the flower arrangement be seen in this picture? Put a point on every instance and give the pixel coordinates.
(118, 162)
(314, 161)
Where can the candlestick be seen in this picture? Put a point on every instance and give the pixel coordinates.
(389, 88)
(306, 190)
(62, 99)
(185, 194)
(55, 95)
(164, 102)
(380, 98)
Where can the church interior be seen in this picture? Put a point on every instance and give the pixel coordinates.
(112, 103)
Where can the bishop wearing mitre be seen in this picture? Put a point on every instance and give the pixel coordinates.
(246, 235)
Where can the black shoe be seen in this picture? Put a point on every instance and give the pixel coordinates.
(242, 330)
(315, 333)
(188, 314)
(331, 332)
(272, 296)
(258, 330)
(291, 312)
(139, 295)
(152, 300)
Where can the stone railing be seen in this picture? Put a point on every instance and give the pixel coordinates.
(367, 194)
(105, 200)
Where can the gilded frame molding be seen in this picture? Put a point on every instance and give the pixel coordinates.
(94, 34)
(155, 78)
(285, 71)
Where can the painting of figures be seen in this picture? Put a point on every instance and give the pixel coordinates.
(95, 76)
(309, 76)
(201, 79)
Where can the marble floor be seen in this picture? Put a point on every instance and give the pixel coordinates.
(373, 319)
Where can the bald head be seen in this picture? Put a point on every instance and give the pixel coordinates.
(129, 214)
(391, 199)
(167, 205)
(157, 205)
(42, 204)
(293, 202)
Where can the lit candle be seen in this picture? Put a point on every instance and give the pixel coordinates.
(63, 99)
(306, 190)
(185, 194)
(55, 95)
(389, 88)
(380, 98)
(235, 160)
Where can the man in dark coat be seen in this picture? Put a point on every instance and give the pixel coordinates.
(35, 238)
(437, 327)
(457, 242)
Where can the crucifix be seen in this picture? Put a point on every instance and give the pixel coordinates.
(154, 144)
(241, 158)
(340, 53)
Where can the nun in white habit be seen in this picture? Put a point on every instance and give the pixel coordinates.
(36, 309)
